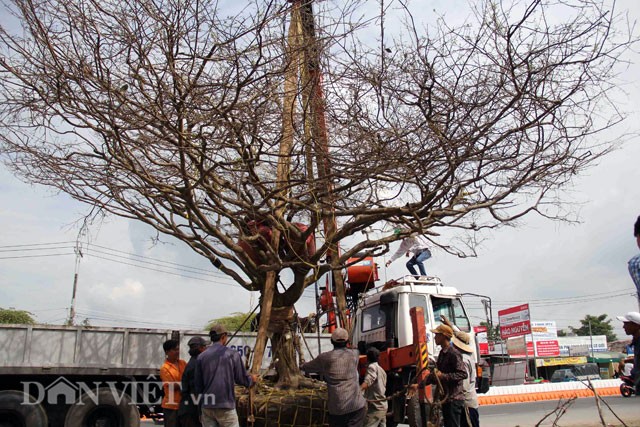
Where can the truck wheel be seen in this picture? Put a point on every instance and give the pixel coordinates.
(13, 413)
(106, 411)
(415, 416)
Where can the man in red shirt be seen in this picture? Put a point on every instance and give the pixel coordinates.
(171, 375)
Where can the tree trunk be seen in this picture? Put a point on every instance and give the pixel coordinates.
(284, 353)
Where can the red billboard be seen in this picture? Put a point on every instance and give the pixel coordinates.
(548, 348)
(515, 321)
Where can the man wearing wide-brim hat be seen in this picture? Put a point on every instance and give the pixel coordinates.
(450, 373)
(470, 416)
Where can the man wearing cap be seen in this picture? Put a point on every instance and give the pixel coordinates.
(189, 412)
(450, 372)
(631, 325)
(634, 263)
(470, 416)
(218, 369)
(339, 367)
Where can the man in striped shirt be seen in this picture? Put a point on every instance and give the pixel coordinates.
(339, 367)
(634, 263)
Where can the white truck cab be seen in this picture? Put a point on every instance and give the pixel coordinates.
(382, 317)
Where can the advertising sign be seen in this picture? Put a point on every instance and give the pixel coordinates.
(546, 330)
(515, 321)
(482, 339)
(547, 348)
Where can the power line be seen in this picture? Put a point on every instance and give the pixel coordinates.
(36, 244)
(164, 262)
(35, 256)
(163, 271)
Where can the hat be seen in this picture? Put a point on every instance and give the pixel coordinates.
(196, 341)
(340, 334)
(632, 316)
(444, 330)
(461, 345)
(218, 329)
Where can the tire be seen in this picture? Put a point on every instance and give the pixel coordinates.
(416, 417)
(106, 411)
(13, 413)
(625, 390)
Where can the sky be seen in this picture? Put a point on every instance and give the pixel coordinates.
(126, 278)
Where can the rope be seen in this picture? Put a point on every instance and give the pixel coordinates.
(243, 323)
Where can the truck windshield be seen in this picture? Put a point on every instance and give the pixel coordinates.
(452, 308)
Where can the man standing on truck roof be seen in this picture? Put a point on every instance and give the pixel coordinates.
(218, 369)
(634, 263)
(375, 386)
(450, 373)
(189, 411)
(339, 367)
(631, 325)
(415, 246)
(171, 375)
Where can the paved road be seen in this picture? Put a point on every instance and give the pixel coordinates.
(582, 413)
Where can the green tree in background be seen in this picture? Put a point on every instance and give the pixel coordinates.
(600, 325)
(233, 322)
(493, 334)
(10, 315)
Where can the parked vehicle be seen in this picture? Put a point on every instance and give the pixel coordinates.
(583, 372)
(71, 376)
(383, 320)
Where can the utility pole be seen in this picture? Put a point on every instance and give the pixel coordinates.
(72, 309)
(591, 340)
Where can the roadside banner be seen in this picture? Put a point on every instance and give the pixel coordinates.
(481, 339)
(515, 321)
(547, 348)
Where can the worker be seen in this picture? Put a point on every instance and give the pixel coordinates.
(631, 326)
(218, 369)
(450, 373)
(171, 376)
(189, 411)
(339, 367)
(415, 246)
(374, 387)
(634, 263)
(470, 416)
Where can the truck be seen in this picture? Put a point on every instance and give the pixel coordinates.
(73, 376)
(385, 318)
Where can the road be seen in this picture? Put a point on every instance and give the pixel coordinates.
(582, 413)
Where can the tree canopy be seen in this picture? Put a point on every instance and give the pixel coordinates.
(595, 325)
(171, 114)
(234, 322)
(11, 315)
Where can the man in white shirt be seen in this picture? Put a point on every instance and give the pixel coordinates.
(416, 246)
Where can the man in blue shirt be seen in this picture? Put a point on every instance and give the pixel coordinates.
(634, 263)
(218, 369)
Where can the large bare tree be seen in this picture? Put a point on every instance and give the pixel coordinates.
(209, 122)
